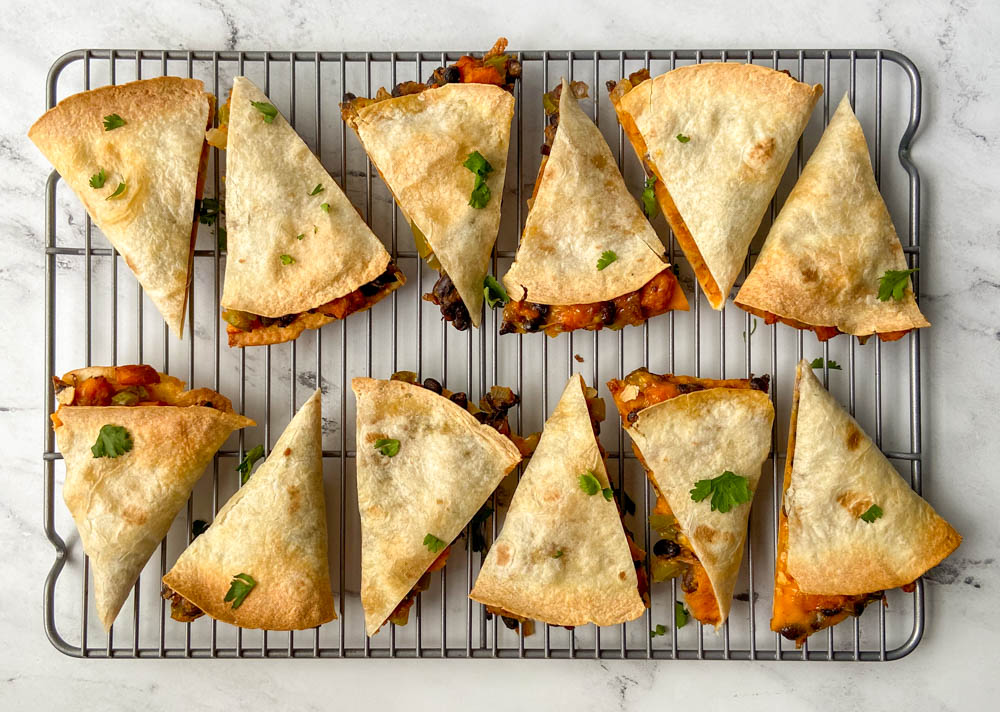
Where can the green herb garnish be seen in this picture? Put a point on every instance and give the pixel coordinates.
(112, 122)
(893, 283)
(607, 257)
(118, 191)
(267, 111)
(495, 294)
(239, 589)
(682, 138)
(872, 513)
(831, 364)
(558, 554)
(97, 180)
(680, 615)
(609, 494)
(387, 446)
(727, 491)
(112, 441)
(300, 236)
(247, 463)
(660, 629)
(649, 205)
(433, 544)
(287, 259)
(481, 167)
(325, 207)
(589, 483)
(317, 190)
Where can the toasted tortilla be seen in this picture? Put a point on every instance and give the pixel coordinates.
(562, 556)
(699, 436)
(418, 142)
(831, 242)
(580, 210)
(742, 122)
(837, 474)
(123, 506)
(274, 529)
(270, 175)
(159, 154)
(447, 466)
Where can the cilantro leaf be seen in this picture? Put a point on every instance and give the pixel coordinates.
(893, 283)
(607, 257)
(680, 615)
(682, 138)
(558, 554)
(481, 167)
(660, 629)
(325, 207)
(267, 111)
(198, 527)
(118, 191)
(589, 483)
(649, 205)
(112, 441)
(287, 259)
(317, 190)
(387, 446)
(872, 513)
(608, 493)
(246, 465)
(112, 122)
(831, 364)
(476, 527)
(478, 164)
(97, 180)
(433, 544)
(728, 490)
(480, 194)
(300, 236)
(239, 589)
(494, 292)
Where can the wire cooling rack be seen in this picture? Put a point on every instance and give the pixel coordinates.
(96, 313)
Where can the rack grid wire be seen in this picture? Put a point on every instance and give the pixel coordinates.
(99, 314)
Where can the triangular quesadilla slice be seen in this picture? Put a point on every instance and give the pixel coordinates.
(263, 561)
(441, 148)
(563, 556)
(832, 257)
(135, 443)
(702, 443)
(426, 465)
(850, 527)
(588, 257)
(717, 137)
(135, 155)
(299, 253)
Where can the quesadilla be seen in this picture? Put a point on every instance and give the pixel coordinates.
(135, 443)
(833, 247)
(717, 138)
(299, 254)
(263, 561)
(563, 556)
(588, 258)
(441, 148)
(427, 462)
(849, 527)
(135, 155)
(702, 443)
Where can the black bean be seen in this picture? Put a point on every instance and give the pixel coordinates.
(793, 632)
(511, 623)
(432, 385)
(461, 399)
(451, 75)
(608, 313)
(666, 548)
(761, 383)
(830, 612)
(689, 387)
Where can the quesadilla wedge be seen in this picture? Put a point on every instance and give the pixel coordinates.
(717, 137)
(299, 254)
(588, 258)
(831, 248)
(441, 148)
(427, 462)
(135, 155)
(563, 555)
(702, 443)
(849, 527)
(135, 443)
(263, 561)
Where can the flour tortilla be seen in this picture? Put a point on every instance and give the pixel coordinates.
(158, 154)
(447, 466)
(593, 579)
(274, 529)
(837, 474)
(699, 436)
(831, 242)
(123, 506)
(418, 142)
(742, 122)
(582, 209)
(270, 175)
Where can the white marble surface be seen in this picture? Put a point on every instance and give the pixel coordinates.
(957, 150)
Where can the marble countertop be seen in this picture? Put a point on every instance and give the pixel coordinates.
(957, 150)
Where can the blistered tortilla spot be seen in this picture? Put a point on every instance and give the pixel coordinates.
(809, 273)
(855, 504)
(294, 499)
(621, 575)
(503, 554)
(853, 437)
(598, 161)
(705, 533)
(288, 451)
(135, 516)
(551, 495)
(757, 157)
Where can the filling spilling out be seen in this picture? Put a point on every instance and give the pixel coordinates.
(658, 296)
(673, 555)
(823, 333)
(495, 67)
(595, 406)
(492, 411)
